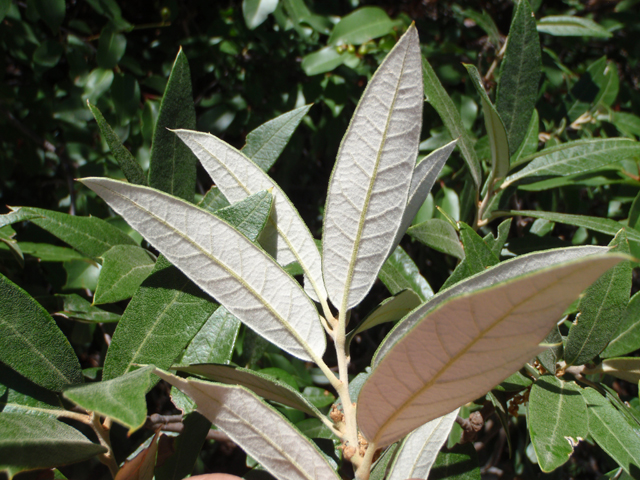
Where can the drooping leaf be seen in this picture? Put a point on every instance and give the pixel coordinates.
(172, 167)
(31, 343)
(124, 268)
(575, 157)
(266, 143)
(557, 420)
(390, 310)
(128, 164)
(215, 341)
(222, 262)
(457, 463)
(571, 26)
(30, 442)
(439, 99)
(259, 429)
(288, 239)
(360, 26)
(121, 399)
(600, 310)
(267, 386)
(399, 273)
(626, 368)
(529, 144)
(256, 11)
(474, 341)
(612, 432)
(19, 395)
(519, 75)
(368, 189)
(498, 139)
(419, 450)
(627, 337)
(439, 235)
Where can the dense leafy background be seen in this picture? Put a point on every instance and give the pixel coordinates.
(118, 55)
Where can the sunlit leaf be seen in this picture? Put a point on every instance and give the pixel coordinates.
(439, 235)
(399, 273)
(256, 11)
(124, 268)
(571, 26)
(390, 310)
(627, 337)
(19, 395)
(214, 342)
(625, 368)
(360, 26)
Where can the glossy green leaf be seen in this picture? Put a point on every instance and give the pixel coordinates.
(399, 273)
(439, 235)
(612, 432)
(571, 26)
(122, 399)
(557, 420)
(325, 60)
(529, 144)
(600, 309)
(419, 450)
(627, 336)
(263, 384)
(77, 308)
(29, 442)
(124, 268)
(256, 11)
(457, 463)
(265, 144)
(519, 75)
(477, 256)
(31, 343)
(576, 157)
(128, 164)
(497, 244)
(360, 26)
(111, 47)
(19, 395)
(81, 275)
(390, 310)
(439, 99)
(52, 12)
(498, 139)
(259, 429)
(625, 368)
(215, 341)
(490, 332)
(167, 305)
(172, 167)
(367, 191)
(91, 236)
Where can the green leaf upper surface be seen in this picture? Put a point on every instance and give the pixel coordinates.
(612, 432)
(399, 273)
(571, 26)
(474, 341)
(77, 308)
(370, 182)
(360, 26)
(172, 167)
(256, 11)
(601, 309)
(124, 268)
(498, 139)
(224, 263)
(215, 341)
(627, 337)
(576, 157)
(439, 235)
(626, 368)
(29, 442)
(439, 99)
(266, 143)
(497, 244)
(457, 463)
(31, 343)
(519, 75)
(122, 399)
(19, 395)
(529, 144)
(557, 420)
(129, 165)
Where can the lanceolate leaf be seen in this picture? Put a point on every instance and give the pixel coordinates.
(399, 273)
(571, 26)
(626, 368)
(224, 263)
(437, 96)
(576, 157)
(266, 143)
(390, 310)
(259, 429)
(439, 235)
(557, 420)
(457, 463)
(214, 342)
(122, 399)
(601, 309)
(420, 449)
(19, 395)
(124, 267)
(466, 345)
(31, 343)
(29, 442)
(370, 181)
(519, 75)
(627, 337)
(264, 385)
(128, 164)
(498, 140)
(172, 167)
(286, 236)
(529, 144)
